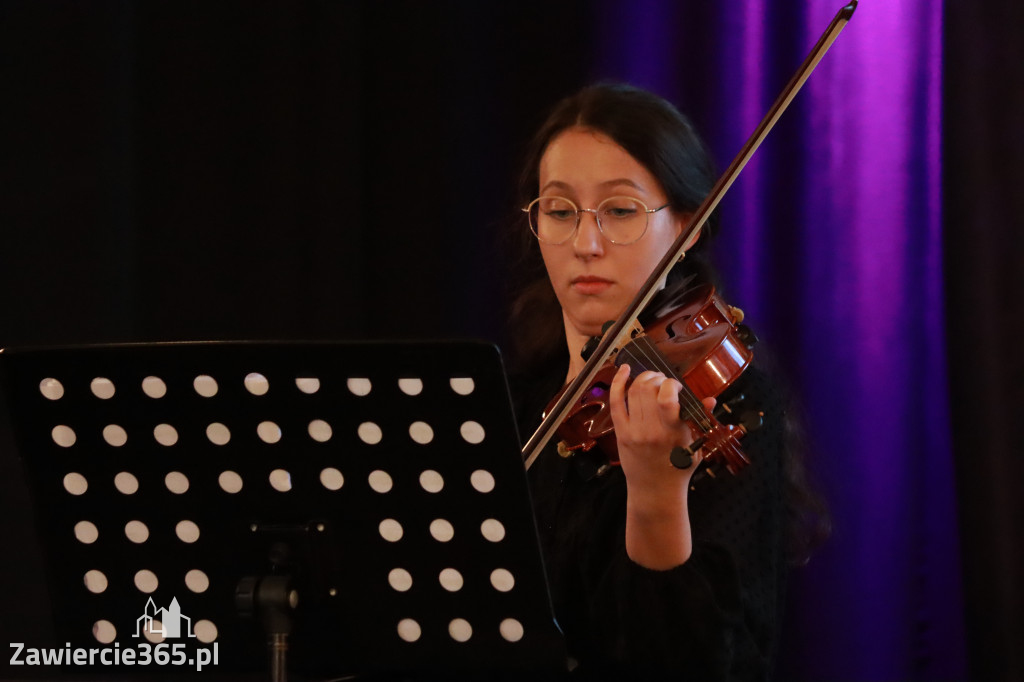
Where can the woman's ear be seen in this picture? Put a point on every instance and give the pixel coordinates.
(682, 223)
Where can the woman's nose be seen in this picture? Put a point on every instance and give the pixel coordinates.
(588, 241)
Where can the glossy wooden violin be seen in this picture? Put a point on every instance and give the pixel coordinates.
(697, 338)
(694, 343)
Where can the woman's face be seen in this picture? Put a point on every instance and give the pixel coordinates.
(593, 278)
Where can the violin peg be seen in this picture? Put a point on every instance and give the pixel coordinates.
(746, 335)
(752, 421)
(589, 347)
(681, 458)
(726, 410)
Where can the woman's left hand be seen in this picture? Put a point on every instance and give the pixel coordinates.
(647, 428)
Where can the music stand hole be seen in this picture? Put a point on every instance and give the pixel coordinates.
(230, 482)
(442, 530)
(256, 383)
(320, 431)
(187, 531)
(400, 580)
(450, 579)
(269, 432)
(146, 581)
(51, 389)
(63, 435)
(153, 631)
(482, 481)
(104, 631)
(115, 435)
(95, 581)
(136, 531)
(280, 480)
(380, 481)
(421, 432)
(197, 581)
(205, 385)
(308, 385)
(411, 386)
(390, 530)
(154, 387)
(218, 433)
(502, 580)
(511, 630)
(492, 530)
(460, 630)
(472, 432)
(359, 386)
(165, 434)
(205, 631)
(176, 482)
(462, 385)
(75, 483)
(86, 532)
(409, 630)
(369, 433)
(332, 479)
(102, 388)
(431, 481)
(126, 483)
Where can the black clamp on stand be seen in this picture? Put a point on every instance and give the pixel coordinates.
(361, 506)
(272, 600)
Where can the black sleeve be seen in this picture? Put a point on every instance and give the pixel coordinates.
(714, 617)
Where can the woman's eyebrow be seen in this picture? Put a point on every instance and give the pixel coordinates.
(558, 184)
(622, 181)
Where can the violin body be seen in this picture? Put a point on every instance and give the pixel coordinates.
(696, 338)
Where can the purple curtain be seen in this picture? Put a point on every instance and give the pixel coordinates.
(831, 242)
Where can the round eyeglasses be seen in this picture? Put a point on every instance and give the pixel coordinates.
(622, 220)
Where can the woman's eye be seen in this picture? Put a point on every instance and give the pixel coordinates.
(620, 212)
(563, 214)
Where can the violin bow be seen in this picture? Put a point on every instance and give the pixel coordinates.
(616, 333)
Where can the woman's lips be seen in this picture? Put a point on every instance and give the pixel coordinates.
(590, 286)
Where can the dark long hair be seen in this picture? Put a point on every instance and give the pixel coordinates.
(664, 141)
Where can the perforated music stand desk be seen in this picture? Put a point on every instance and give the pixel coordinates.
(385, 478)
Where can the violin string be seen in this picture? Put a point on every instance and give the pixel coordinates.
(653, 359)
(688, 401)
(645, 356)
(693, 406)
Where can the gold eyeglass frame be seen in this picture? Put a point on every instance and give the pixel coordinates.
(597, 217)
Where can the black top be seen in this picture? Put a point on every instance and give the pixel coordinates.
(713, 618)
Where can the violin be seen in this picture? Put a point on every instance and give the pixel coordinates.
(697, 338)
(715, 440)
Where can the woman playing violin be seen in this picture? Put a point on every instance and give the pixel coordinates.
(648, 576)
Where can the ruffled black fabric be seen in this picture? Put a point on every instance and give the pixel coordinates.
(713, 618)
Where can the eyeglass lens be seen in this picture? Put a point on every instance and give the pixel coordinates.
(622, 220)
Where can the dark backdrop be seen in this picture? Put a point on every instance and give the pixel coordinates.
(337, 170)
(983, 144)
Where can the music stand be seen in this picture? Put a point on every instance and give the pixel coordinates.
(381, 482)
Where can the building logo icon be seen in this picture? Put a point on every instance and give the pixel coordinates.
(168, 622)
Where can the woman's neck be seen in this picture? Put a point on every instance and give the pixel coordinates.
(575, 342)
